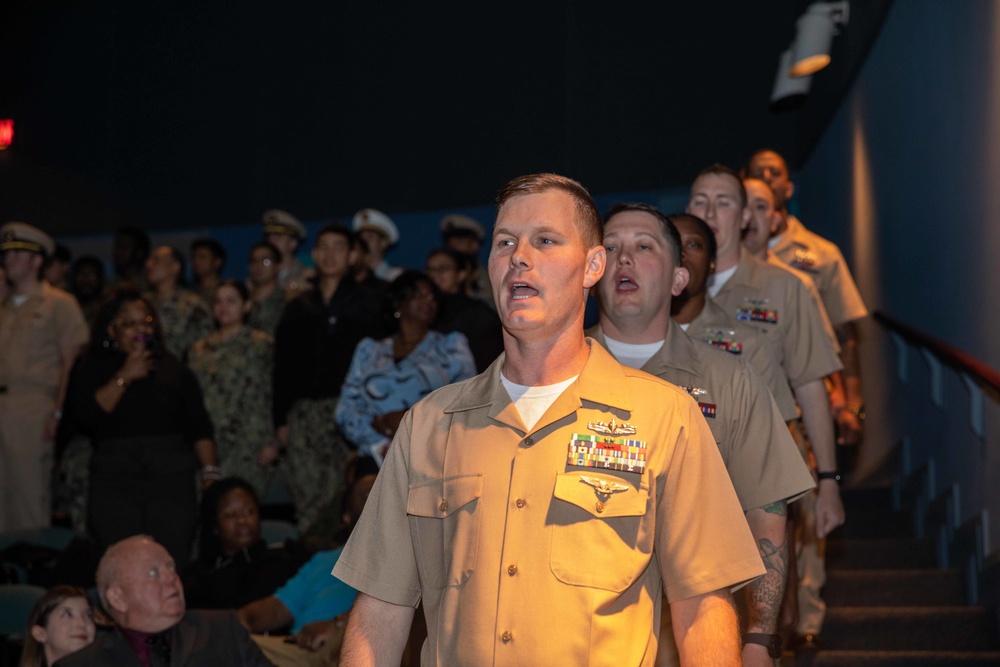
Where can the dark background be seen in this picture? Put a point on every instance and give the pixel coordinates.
(190, 114)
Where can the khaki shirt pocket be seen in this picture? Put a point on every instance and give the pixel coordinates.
(444, 521)
(596, 536)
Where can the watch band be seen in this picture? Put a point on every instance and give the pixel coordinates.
(830, 474)
(773, 643)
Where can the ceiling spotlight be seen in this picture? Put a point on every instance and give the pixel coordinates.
(789, 91)
(815, 31)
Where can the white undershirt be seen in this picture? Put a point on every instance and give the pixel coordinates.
(633, 355)
(719, 279)
(532, 402)
(684, 327)
(18, 299)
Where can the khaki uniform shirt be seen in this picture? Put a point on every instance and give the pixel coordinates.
(519, 557)
(824, 263)
(778, 304)
(762, 460)
(35, 336)
(715, 327)
(810, 284)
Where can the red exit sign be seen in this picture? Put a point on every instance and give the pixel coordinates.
(6, 132)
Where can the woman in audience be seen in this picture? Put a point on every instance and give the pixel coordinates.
(234, 566)
(144, 410)
(62, 622)
(386, 377)
(233, 366)
(460, 312)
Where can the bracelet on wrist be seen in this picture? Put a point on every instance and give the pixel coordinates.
(829, 474)
(121, 381)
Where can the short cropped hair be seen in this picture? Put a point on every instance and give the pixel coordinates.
(213, 246)
(723, 170)
(670, 234)
(703, 230)
(337, 228)
(588, 218)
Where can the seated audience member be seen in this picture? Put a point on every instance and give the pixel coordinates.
(379, 233)
(459, 312)
(234, 565)
(266, 294)
(286, 233)
(312, 353)
(387, 376)
(57, 267)
(140, 589)
(233, 366)
(62, 622)
(208, 258)
(362, 270)
(88, 285)
(313, 602)
(184, 316)
(128, 256)
(465, 236)
(144, 410)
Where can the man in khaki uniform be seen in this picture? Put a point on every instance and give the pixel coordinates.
(634, 295)
(779, 304)
(42, 330)
(705, 320)
(286, 233)
(549, 501)
(822, 260)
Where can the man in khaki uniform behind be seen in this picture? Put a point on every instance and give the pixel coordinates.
(42, 330)
(643, 274)
(539, 510)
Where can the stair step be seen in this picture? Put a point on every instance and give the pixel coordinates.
(866, 498)
(909, 628)
(879, 554)
(900, 659)
(894, 588)
(882, 523)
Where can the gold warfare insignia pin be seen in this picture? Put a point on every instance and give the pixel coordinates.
(695, 392)
(612, 427)
(603, 486)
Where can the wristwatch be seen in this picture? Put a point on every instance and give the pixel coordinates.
(772, 642)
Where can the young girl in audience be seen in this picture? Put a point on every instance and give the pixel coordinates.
(62, 622)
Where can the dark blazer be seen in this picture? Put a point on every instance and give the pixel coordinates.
(201, 639)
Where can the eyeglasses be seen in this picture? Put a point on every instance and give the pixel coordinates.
(266, 261)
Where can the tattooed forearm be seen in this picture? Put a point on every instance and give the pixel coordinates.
(765, 594)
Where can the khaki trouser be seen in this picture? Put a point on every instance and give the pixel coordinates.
(25, 459)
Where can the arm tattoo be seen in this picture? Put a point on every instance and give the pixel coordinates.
(766, 593)
(780, 508)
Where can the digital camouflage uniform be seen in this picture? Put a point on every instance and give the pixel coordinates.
(266, 314)
(185, 318)
(235, 378)
(316, 460)
(71, 485)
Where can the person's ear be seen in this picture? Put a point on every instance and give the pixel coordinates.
(775, 222)
(39, 634)
(680, 281)
(116, 599)
(746, 217)
(789, 191)
(597, 258)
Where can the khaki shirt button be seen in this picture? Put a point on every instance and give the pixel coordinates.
(600, 507)
(443, 506)
(529, 441)
(520, 503)
(512, 570)
(506, 636)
